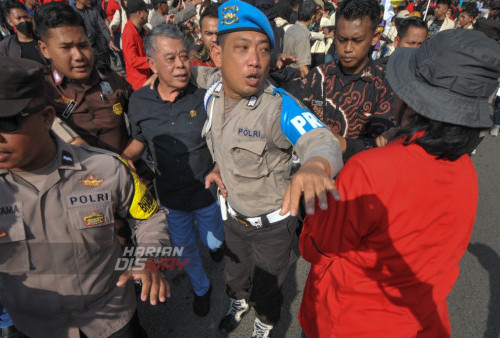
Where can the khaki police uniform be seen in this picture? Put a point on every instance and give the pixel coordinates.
(58, 246)
(255, 159)
(95, 110)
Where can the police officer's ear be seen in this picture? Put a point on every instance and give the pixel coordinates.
(216, 54)
(48, 115)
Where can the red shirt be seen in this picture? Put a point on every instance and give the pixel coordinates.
(384, 259)
(111, 8)
(136, 65)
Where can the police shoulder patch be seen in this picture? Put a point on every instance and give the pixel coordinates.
(296, 120)
(143, 204)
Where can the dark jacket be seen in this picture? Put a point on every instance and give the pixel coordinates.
(10, 46)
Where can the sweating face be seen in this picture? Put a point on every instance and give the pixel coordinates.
(244, 58)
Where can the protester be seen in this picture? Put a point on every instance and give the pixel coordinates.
(385, 257)
(208, 27)
(23, 43)
(136, 65)
(251, 130)
(468, 16)
(351, 95)
(441, 20)
(62, 281)
(412, 32)
(168, 120)
(297, 37)
(160, 12)
(97, 31)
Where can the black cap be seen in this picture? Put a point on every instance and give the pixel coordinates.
(137, 5)
(157, 2)
(21, 81)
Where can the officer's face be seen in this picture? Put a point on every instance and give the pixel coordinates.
(171, 63)
(70, 51)
(27, 148)
(244, 58)
(414, 37)
(353, 39)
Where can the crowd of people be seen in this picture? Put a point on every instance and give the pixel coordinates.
(152, 123)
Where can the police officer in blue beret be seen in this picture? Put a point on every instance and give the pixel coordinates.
(251, 130)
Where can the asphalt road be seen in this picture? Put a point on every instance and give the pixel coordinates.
(474, 303)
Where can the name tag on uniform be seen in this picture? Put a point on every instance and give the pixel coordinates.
(317, 103)
(86, 198)
(248, 132)
(69, 109)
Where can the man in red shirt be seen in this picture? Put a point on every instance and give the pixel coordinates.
(385, 257)
(136, 64)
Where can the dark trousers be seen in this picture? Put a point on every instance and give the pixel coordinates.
(257, 262)
(132, 329)
(496, 109)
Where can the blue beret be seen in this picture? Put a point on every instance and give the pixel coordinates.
(236, 15)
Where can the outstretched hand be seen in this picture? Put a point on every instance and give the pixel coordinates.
(314, 181)
(154, 285)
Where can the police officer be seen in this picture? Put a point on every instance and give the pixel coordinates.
(251, 130)
(90, 101)
(58, 247)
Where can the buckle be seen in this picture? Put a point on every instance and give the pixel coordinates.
(242, 221)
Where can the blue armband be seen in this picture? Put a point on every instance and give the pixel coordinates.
(296, 120)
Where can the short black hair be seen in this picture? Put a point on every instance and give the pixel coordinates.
(307, 8)
(444, 2)
(329, 7)
(405, 25)
(211, 11)
(358, 9)
(56, 14)
(471, 9)
(7, 6)
(443, 140)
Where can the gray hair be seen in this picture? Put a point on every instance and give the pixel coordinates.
(163, 30)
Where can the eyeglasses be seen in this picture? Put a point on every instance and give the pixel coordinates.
(12, 124)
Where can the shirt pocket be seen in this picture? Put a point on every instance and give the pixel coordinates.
(14, 253)
(249, 158)
(93, 225)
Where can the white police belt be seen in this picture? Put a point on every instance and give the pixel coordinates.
(258, 221)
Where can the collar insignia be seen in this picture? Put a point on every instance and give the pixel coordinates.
(66, 158)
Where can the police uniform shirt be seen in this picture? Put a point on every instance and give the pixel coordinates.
(172, 131)
(253, 153)
(95, 110)
(58, 246)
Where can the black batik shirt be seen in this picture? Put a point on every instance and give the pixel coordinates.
(358, 107)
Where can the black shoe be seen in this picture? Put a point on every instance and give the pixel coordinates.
(218, 254)
(201, 304)
(238, 309)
